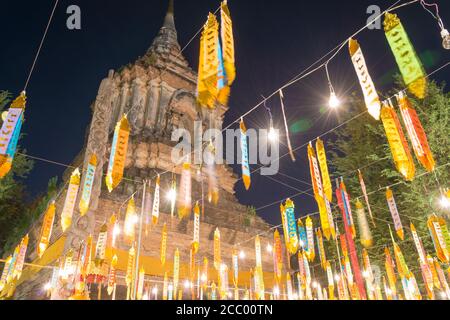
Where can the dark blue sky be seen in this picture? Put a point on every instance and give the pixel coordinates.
(275, 40)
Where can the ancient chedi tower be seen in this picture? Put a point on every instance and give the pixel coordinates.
(158, 94)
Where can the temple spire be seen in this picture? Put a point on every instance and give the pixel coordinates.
(169, 19)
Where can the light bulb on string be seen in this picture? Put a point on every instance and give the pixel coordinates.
(444, 201)
(334, 101)
(444, 32)
(269, 248)
(272, 134)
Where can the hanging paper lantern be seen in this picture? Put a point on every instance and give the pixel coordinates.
(100, 248)
(112, 275)
(184, 195)
(71, 197)
(176, 269)
(217, 258)
(369, 91)
(366, 197)
(292, 238)
(318, 191)
(407, 60)
(118, 154)
(129, 278)
(10, 133)
(394, 213)
(397, 142)
(129, 226)
(163, 245)
(21, 257)
(320, 247)
(364, 230)
(322, 157)
(46, 229)
(311, 253)
(155, 211)
(196, 241)
(208, 65)
(244, 154)
(436, 226)
(416, 133)
(277, 255)
(87, 186)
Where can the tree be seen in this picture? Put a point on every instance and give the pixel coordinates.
(362, 144)
(12, 189)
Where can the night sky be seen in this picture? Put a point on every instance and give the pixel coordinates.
(275, 40)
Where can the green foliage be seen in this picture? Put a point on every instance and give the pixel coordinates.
(362, 144)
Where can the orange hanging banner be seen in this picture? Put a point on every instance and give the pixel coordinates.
(397, 142)
(46, 229)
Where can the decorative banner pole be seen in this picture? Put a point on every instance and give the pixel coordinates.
(138, 251)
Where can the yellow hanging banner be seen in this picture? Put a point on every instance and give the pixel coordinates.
(407, 60)
(196, 241)
(176, 270)
(217, 258)
(322, 157)
(208, 65)
(397, 142)
(163, 245)
(71, 197)
(311, 252)
(436, 226)
(371, 98)
(156, 200)
(226, 32)
(118, 154)
(46, 229)
(129, 226)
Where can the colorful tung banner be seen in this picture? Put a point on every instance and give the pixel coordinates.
(291, 224)
(322, 157)
(112, 275)
(176, 270)
(394, 213)
(318, 191)
(129, 277)
(244, 154)
(156, 200)
(436, 226)
(208, 65)
(196, 240)
(416, 133)
(185, 192)
(364, 230)
(371, 98)
(226, 32)
(87, 186)
(129, 224)
(344, 204)
(163, 245)
(235, 267)
(303, 239)
(397, 142)
(321, 249)
(46, 229)
(311, 252)
(407, 60)
(20, 257)
(277, 255)
(366, 197)
(100, 248)
(217, 258)
(118, 154)
(10, 133)
(71, 197)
